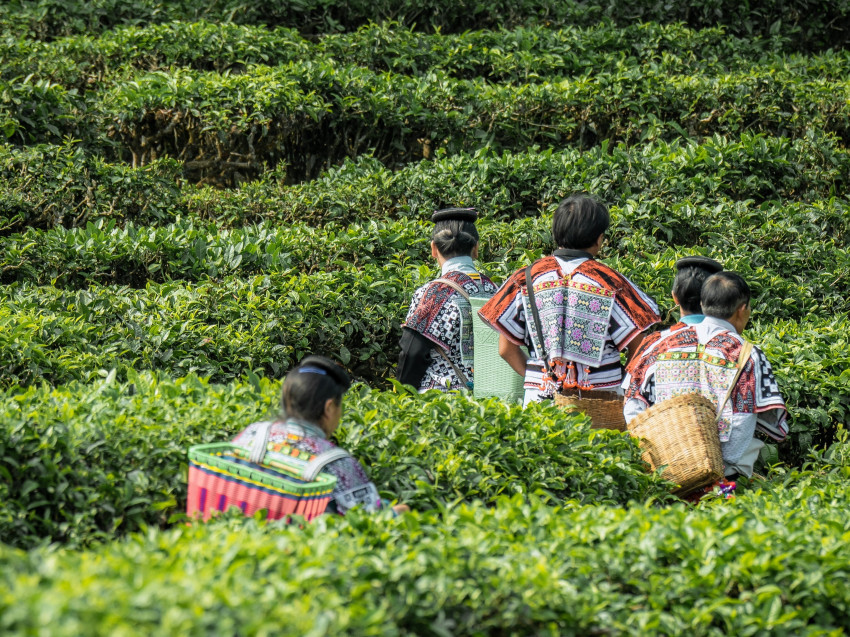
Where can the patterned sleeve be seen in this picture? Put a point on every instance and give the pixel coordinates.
(635, 311)
(769, 404)
(414, 304)
(639, 383)
(353, 486)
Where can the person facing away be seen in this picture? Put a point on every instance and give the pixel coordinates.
(311, 397)
(703, 359)
(588, 312)
(691, 273)
(436, 340)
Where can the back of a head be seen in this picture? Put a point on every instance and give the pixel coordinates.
(310, 384)
(691, 274)
(455, 234)
(723, 293)
(578, 222)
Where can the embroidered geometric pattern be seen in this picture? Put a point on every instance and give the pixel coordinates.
(677, 363)
(679, 373)
(574, 318)
(444, 317)
(350, 475)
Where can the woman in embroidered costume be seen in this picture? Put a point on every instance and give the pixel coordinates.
(436, 341)
(703, 359)
(587, 311)
(312, 400)
(691, 273)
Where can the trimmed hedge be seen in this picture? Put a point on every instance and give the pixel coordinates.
(810, 23)
(789, 282)
(770, 561)
(312, 115)
(68, 185)
(45, 186)
(518, 55)
(108, 458)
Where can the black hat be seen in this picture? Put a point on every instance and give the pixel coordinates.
(453, 214)
(703, 263)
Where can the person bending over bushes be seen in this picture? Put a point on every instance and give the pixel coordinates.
(703, 359)
(311, 398)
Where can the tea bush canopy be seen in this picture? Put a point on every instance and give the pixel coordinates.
(194, 195)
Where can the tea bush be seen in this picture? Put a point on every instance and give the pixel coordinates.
(788, 283)
(107, 458)
(69, 185)
(517, 55)
(314, 114)
(772, 561)
(64, 185)
(214, 328)
(809, 23)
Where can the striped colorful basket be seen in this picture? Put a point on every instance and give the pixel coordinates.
(221, 477)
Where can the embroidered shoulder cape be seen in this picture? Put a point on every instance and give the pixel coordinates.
(634, 311)
(677, 363)
(434, 309)
(353, 485)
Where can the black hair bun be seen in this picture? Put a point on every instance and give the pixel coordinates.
(455, 214)
(334, 369)
(704, 263)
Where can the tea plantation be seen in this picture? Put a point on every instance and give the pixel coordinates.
(193, 195)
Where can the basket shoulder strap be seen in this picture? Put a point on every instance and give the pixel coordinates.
(457, 369)
(261, 440)
(743, 357)
(535, 314)
(459, 289)
(321, 461)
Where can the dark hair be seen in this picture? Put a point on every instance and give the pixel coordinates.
(310, 384)
(723, 293)
(687, 286)
(578, 222)
(455, 237)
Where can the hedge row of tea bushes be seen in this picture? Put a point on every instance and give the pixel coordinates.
(788, 283)
(808, 23)
(770, 562)
(99, 460)
(313, 114)
(525, 54)
(67, 185)
(264, 324)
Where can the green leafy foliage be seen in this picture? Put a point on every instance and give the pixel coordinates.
(316, 113)
(430, 450)
(107, 458)
(771, 561)
(809, 23)
(661, 187)
(63, 185)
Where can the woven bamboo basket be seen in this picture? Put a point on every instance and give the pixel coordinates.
(680, 435)
(604, 413)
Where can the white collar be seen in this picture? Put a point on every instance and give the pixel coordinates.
(459, 264)
(720, 323)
